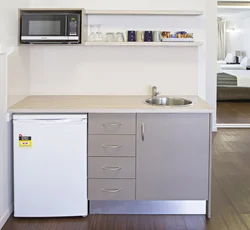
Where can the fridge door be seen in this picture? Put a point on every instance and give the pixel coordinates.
(50, 167)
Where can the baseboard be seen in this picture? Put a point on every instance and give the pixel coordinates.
(5, 216)
(233, 126)
(214, 129)
(139, 207)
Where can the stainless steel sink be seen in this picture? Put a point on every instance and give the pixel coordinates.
(168, 101)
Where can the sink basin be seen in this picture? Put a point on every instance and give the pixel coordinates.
(168, 101)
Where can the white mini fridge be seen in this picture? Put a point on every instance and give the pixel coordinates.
(50, 165)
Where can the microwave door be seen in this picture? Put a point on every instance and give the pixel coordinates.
(44, 27)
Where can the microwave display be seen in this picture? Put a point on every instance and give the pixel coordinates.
(50, 27)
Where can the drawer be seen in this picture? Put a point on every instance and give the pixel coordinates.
(111, 167)
(111, 189)
(111, 145)
(111, 123)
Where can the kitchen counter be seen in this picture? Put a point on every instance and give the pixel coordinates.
(103, 104)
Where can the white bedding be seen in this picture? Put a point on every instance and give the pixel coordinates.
(243, 77)
(232, 67)
(222, 62)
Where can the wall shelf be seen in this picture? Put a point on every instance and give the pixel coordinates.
(169, 44)
(145, 12)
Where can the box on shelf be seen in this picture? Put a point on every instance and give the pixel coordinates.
(178, 39)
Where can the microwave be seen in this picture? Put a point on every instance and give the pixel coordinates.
(50, 27)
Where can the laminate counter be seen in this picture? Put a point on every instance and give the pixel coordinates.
(103, 104)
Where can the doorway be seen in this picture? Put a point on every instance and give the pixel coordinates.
(233, 62)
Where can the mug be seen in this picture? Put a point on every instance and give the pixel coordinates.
(148, 36)
(131, 36)
(139, 36)
(156, 36)
(119, 37)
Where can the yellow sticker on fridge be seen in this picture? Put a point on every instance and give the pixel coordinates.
(25, 141)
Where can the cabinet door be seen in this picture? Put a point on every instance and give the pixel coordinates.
(173, 159)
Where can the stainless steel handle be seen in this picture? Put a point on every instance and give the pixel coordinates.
(142, 131)
(112, 124)
(111, 190)
(112, 168)
(112, 146)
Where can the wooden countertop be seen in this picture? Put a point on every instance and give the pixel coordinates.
(103, 104)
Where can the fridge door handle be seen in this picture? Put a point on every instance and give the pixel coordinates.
(50, 121)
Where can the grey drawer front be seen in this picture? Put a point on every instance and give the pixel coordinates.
(111, 167)
(112, 123)
(111, 189)
(111, 145)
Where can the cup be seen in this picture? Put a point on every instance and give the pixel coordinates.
(110, 37)
(148, 36)
(131, 36)
(139, 36)
(156, 36)
(165, 34)
(119, 37)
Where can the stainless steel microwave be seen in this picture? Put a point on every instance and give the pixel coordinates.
(50, 27)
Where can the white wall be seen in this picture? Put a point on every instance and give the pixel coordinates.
(121, 70)
(235, 39)
(18, 75)
(246, 39)
(2, 127)
(211, 56)
(239, 39)
(11, 91)
(130, 70)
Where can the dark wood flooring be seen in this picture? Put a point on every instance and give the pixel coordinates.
(233, 112)
(230, 198)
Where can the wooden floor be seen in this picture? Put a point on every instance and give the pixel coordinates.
(230, 198)
(233, 112)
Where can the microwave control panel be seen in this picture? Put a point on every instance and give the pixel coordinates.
(73, 25)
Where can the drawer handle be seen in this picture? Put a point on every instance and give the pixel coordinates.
(112, 124)
(112, 146)
(112, 168)
(112, 190)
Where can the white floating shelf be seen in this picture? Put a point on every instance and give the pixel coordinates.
(173, 44)
(145, 12)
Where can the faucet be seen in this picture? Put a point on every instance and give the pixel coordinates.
(155, 92)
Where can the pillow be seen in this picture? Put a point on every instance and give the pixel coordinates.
(244, 61)
(230, 58)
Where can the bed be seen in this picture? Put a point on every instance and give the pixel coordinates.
(233, 85)
(232, 67)
(242, 66)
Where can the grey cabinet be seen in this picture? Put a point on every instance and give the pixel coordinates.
(111, 189)
(111, 167)
(111, 123)
(111, 156)
(172, 157)
(111, 145)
